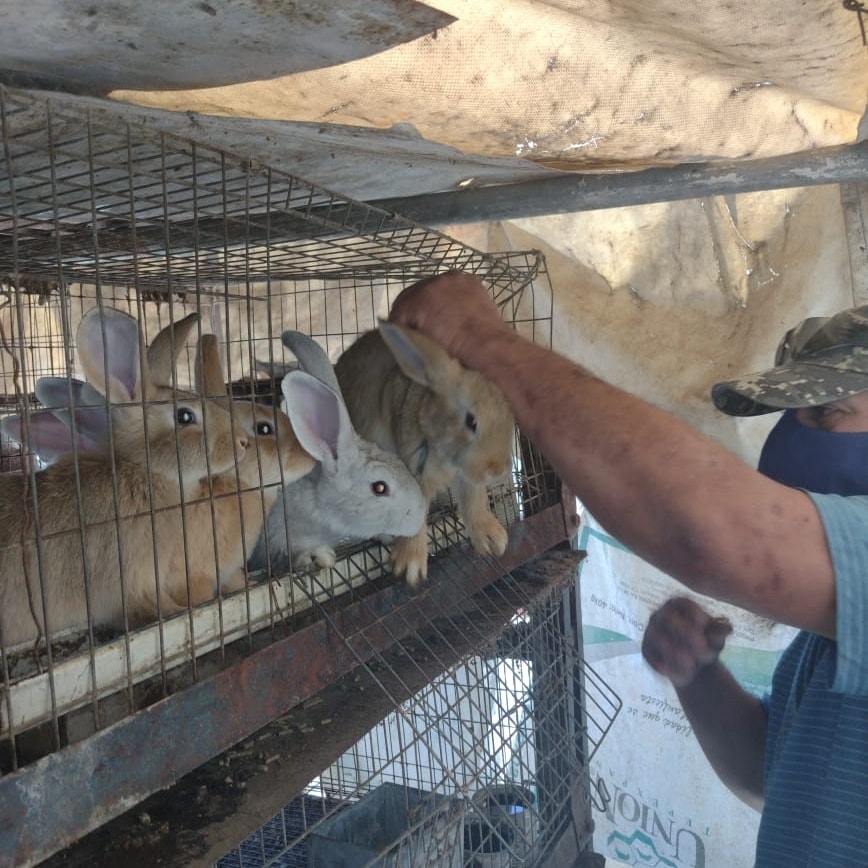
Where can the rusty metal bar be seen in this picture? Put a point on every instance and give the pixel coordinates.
(572, 192)
(58, 799)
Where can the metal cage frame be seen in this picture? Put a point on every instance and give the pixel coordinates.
(97, 208)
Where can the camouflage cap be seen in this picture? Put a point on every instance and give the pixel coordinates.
(820, 360)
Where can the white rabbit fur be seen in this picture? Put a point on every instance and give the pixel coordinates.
(357, 491)
(450, 425)
(86, 541)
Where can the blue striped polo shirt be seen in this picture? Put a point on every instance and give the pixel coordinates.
(816, 766)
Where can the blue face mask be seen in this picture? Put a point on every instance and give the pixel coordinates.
(824, 462)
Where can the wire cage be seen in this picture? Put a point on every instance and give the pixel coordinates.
(100, 212)
(485, 765)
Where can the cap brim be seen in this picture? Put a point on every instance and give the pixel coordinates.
(786, 387)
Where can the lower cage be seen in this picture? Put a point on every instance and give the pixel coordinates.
(461, 737)
(486, 765)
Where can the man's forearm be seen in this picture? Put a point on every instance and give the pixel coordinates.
(730, 725)
(671, 494)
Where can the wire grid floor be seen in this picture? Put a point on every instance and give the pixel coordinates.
(500, 741)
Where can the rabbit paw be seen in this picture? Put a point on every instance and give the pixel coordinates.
(323, 556)
(488, 535)
(410, 559)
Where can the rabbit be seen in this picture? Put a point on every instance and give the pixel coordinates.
(356, 492)
(451, 427)
(228, 509)
(281, 454)
(48, 435)
(112, 509)
(77, 418)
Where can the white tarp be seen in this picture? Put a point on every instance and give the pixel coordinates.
(580, 83)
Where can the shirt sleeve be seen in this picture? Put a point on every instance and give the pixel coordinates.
(845, 520)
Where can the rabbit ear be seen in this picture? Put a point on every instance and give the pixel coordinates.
(311, 358)
(209, 371)
(13, 429)
(46, 435)
(49, 435)
(61, 395)
(66, 393)
(318, 417)
(166, 347)
(55, 392)
(109, 347)
(420, 358)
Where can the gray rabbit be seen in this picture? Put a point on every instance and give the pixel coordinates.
(357, 491)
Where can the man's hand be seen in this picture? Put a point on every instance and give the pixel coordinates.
(682, 640)
(453, 309)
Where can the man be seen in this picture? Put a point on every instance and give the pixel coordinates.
(696, 511)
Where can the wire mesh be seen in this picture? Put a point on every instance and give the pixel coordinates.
(99, 213)
(492, 751)
(93, 197)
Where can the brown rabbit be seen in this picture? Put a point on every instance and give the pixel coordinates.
(239, 499)
(451, 427)
(91, 540)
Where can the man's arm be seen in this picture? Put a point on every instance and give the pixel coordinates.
(683, 642)
(680, 501)
(730, 725)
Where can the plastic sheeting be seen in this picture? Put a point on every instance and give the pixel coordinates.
(103, 44)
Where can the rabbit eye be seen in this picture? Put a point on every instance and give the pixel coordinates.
(264, 429)
(185, 416)
(380, 488)
(470, 422)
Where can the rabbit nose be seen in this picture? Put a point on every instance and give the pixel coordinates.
(242, 441)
